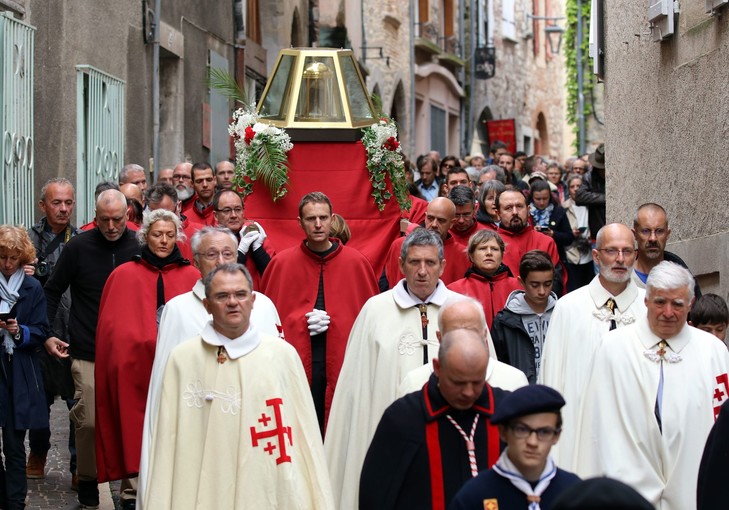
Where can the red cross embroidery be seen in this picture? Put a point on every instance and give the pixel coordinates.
(279, 432)
(719, 395)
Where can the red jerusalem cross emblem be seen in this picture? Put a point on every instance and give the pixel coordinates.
(278, 434)
(721, 391)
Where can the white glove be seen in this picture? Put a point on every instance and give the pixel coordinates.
(318, 321)
(262, 237)
(246, 241)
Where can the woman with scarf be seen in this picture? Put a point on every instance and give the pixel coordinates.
(549, 217)
(131, 305)
(23, 325)
(488, 280)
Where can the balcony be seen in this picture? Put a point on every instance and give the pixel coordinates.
(432, 46)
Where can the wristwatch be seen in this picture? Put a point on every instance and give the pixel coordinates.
(17, 336)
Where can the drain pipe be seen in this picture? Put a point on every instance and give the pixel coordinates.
(155, 89)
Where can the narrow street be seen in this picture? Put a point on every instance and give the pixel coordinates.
(54, 492)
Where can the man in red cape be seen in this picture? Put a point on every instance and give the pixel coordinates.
(438, 218)
(520, 237)
(319, 288)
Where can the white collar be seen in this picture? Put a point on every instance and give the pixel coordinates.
(235, 347)
(623, 300)
(198, 290)
(648, 339)
(405, 299)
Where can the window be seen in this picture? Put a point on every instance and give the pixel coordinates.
(438, 129)
(508, 20)
(99, 133)
(16, 149)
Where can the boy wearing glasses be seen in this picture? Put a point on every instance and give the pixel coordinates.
(524, 476)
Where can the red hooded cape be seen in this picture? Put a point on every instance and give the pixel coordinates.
(126, 337)
(490, 292)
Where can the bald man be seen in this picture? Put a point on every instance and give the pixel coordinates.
(580, 319)
(461, 312)
(431, 442)
(84, 265)
(439, 218)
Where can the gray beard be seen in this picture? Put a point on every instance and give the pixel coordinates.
(184, 194)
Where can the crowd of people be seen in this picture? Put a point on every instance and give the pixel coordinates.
(513, 343)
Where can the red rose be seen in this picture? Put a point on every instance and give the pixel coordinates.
(391, 144)
(249, 135)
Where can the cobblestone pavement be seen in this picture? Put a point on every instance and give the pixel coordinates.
(54, 491)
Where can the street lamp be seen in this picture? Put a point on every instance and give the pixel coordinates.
(553, 32)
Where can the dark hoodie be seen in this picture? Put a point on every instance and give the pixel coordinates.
(518, 333)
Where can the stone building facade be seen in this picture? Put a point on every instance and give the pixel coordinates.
(666, 108)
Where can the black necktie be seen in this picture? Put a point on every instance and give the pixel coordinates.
(611, 306)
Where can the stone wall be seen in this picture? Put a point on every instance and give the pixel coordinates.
(667, 109)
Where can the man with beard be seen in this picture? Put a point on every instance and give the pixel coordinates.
(650, 228)
(201, 209)
(439, 218)
(182, 181)
(520, 237)
(579, 320)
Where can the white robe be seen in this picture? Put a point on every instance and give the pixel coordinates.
(575, 330)
(498, 375)
(619, 435)
(237, 434)
(384, 345)
(183, 317)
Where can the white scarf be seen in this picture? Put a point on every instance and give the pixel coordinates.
(508, 470)
(8, 297)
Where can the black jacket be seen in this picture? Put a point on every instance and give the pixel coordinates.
(592, 194)
(513, 344)
(84, 265)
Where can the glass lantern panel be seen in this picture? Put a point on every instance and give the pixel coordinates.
(356, 92)
(319, 97)
(275, 104)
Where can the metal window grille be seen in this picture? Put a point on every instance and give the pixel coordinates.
(16, 121)
(99, 135)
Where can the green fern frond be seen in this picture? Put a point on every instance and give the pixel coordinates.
(269, 166)
(225, 83)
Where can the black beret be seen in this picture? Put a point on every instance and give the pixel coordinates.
(532, 399)
(601, 494)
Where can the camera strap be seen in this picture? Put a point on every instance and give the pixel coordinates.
(51, 247)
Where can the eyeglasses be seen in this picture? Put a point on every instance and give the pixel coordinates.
(181, 178)
(215, 255)
(227, 210)
(613, 252)
(646, 232)
(521, 431)
(224, 297)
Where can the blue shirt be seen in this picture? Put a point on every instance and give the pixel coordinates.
(429, 192)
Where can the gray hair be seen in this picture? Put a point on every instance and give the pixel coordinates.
(422, 237)
(461, 195)
(131, 167)
(61, 181)
(157, 192)
(458, 300)
(670, 276)
(152, 217)
(111, 195)
(229, 268)
(499, 173)
(197, 238)
(497, 186)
